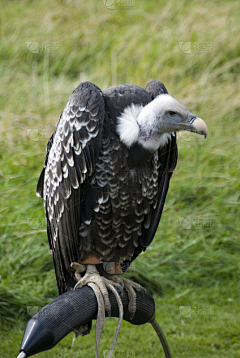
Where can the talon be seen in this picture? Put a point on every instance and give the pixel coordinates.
(120, 287)
(132, 315)
(76, 286)
(129, 287)
(122, 284)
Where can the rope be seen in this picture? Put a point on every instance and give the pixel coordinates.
(161, 336)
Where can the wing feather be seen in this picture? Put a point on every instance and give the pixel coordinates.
(71, 156)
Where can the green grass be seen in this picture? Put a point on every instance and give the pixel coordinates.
(194, 259)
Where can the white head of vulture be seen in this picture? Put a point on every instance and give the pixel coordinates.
(152, 125)
(107, 171)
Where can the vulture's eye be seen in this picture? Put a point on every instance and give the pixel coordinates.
(171, 113)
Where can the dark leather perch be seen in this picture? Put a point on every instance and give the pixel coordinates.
(74, 308)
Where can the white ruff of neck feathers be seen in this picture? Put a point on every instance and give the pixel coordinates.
(127, 127)
(136, 116)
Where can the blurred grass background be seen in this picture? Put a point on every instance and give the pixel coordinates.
(194, 49)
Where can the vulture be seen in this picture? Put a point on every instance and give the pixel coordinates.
(105, 180)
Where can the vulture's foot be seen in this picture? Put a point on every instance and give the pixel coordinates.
(99, 284)
(129, 287)
(92, 275)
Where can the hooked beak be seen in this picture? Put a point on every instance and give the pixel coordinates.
(200, 126)
(194, 124)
